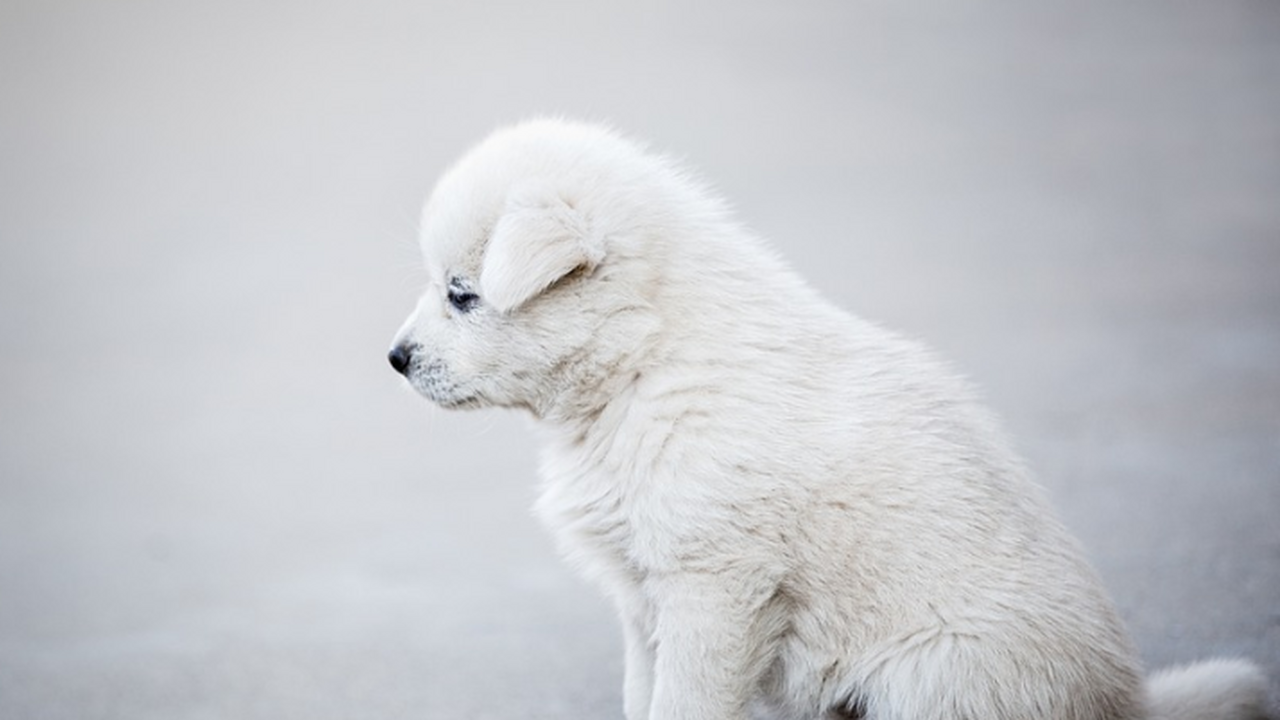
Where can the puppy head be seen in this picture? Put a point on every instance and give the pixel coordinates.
(523, 306)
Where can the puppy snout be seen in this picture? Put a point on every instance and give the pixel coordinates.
(400, 357)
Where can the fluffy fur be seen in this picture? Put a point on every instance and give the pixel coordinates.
(797, 513)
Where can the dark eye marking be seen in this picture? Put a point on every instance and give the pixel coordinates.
(461, 297)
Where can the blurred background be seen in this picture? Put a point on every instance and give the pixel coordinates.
(218, 501)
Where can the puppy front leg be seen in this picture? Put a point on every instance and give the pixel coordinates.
(637, 685)
(709, 653)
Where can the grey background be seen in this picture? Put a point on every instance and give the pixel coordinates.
(217, 501)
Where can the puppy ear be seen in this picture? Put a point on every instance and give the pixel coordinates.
(538, 240)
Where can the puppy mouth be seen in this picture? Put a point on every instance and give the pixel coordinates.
(432, 382)
(449, 397)
(468, 402)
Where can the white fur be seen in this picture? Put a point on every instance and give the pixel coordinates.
(796, 512)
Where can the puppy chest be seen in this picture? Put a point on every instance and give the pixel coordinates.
(593, 528)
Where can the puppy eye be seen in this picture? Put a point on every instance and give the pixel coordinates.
(463, 301)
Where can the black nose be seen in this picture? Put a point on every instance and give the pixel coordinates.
(400, 357)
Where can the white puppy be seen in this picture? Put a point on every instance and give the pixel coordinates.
(795, 511)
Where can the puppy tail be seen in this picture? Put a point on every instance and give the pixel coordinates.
(1218, 689)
